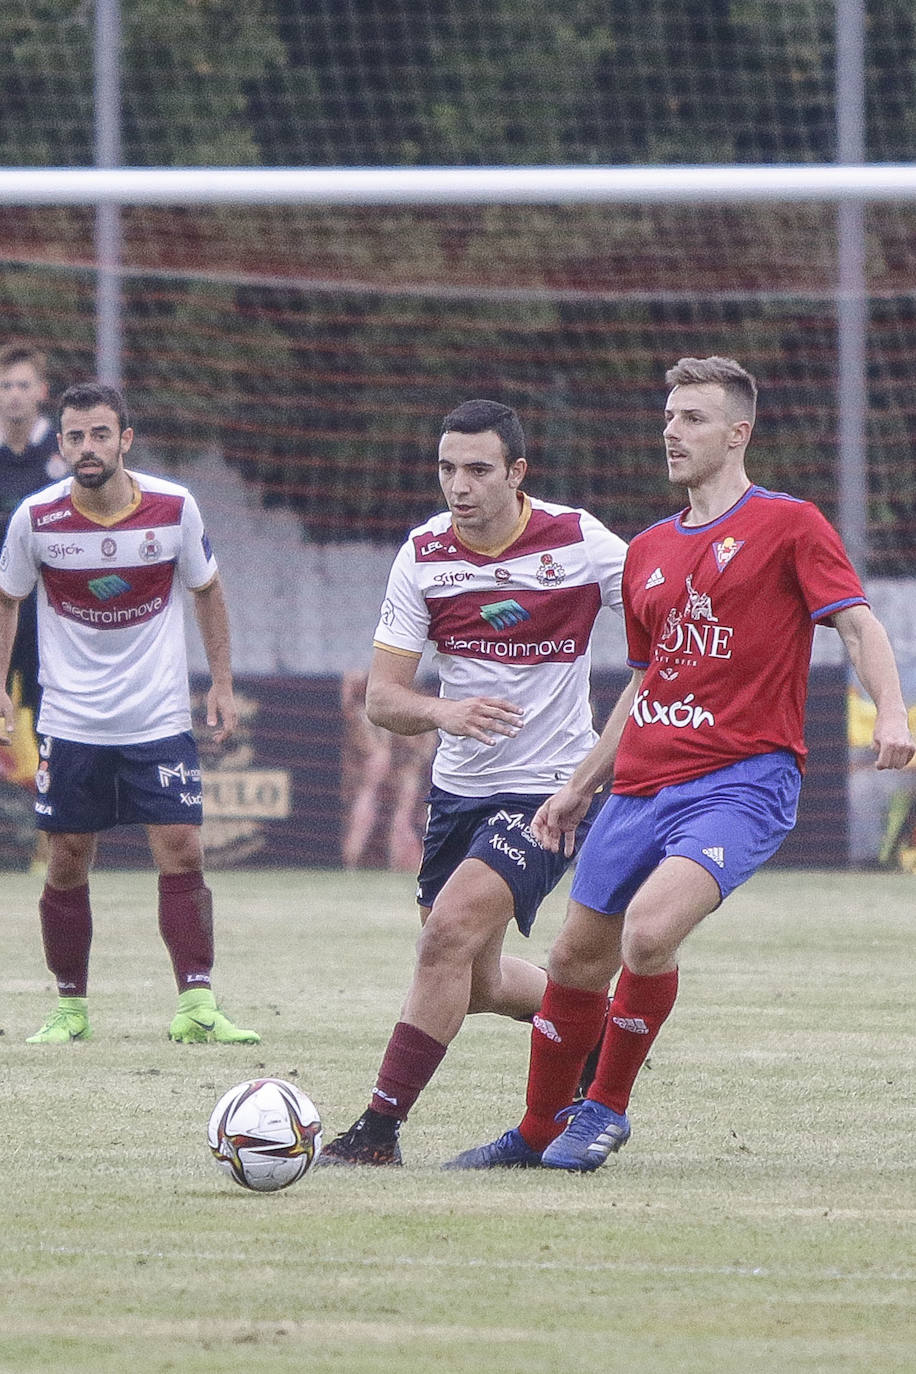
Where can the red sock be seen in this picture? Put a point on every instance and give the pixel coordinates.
(66, 929)
(186, 926)
(639, 1010)
(565, 1029)
(411, 1059)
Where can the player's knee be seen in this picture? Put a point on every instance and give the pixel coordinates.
(568, 963)
(445, 939)
(646, 950)
(69, 859)
(178, 851)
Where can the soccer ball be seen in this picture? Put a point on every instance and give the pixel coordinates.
(265, 1134)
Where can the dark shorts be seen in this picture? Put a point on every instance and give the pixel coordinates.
(496, 830)
(83, 788)
(729, 822)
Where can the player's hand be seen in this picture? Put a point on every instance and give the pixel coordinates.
(893, 744)
(556, 820)
(481, 718)
(222, 713)
(8, 715)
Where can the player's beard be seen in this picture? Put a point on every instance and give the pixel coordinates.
(95, 479)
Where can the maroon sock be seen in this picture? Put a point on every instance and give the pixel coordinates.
(66, 929)
(411, 1059)
(186, 926)
(639, 1010)
(565, 1029)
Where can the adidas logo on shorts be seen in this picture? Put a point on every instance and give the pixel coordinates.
(717, 854)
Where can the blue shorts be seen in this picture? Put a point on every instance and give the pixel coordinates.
(84, 788)
(497, 831)
(729, 822)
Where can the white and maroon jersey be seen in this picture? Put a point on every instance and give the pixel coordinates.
(515, 625)
(722, 617)
(110, 609)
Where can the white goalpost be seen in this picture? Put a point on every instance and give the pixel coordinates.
(455, 185)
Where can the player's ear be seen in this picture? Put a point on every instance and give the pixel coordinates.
(127, 438)
(741, 433)
(517, 472)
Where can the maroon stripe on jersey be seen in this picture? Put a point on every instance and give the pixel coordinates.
(155, 509)
(438, 548)
(109, 598)
(50, 514)
(526, 627)
(543, 533)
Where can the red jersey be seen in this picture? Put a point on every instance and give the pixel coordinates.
(722, 617)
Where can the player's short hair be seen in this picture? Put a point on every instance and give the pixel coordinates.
(19, 351)
(739, 385)
(86, 395)
(476, 417)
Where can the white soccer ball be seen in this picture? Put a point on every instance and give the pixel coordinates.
(265, 1134)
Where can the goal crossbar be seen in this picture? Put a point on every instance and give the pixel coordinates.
(454, 185)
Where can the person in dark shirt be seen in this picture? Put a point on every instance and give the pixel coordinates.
(29, 460)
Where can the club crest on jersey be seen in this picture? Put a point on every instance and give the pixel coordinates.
(725, 549)
(550, 573)
(150, 549)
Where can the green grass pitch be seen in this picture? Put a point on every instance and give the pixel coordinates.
(761, 1218)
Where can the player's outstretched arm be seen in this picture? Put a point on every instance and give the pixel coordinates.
(213, 619)
(872, 657)
(555, 822)
(9, 617)
(392, 701)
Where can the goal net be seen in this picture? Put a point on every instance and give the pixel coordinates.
(292, 362)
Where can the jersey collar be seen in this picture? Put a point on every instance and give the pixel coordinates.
(519, 530)
(108, 520)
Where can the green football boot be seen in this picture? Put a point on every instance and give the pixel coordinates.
(199, 1021)
(69, 1021)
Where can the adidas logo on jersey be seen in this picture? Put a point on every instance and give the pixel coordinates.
(655, 580)
(717, 854)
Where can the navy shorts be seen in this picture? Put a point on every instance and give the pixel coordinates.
(729, 822)
(496, 830)
(84, 788)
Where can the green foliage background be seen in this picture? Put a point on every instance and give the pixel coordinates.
(319, 348)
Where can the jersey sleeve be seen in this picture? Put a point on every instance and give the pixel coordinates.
(404, 619)
(196, 562)
(608, 552)
(639, 641)
(19, 567)
(826, 578)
